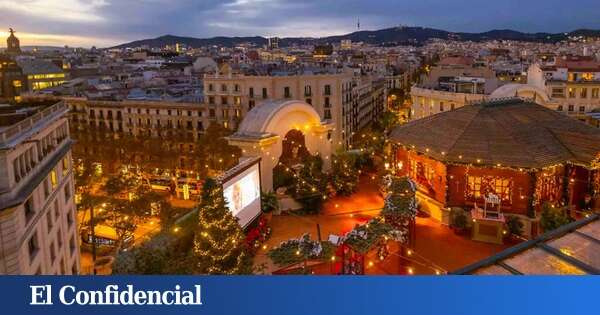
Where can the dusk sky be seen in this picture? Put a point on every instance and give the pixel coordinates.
(109, 22)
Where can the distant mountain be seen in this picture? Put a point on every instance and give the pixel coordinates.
(398, 35)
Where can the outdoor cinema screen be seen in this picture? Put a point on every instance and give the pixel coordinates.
(242, 193)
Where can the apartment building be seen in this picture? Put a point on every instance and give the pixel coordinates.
(451, 85)
(334, 95)
(38, 228)
(571, 83)
(178, 125)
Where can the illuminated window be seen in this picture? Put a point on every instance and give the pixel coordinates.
(480, 186)
(53, 179)
(65, 164)
(17, 83)
(587, 76)
(571, 93)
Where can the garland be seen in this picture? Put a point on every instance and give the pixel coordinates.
(364, 236)
(298, 250)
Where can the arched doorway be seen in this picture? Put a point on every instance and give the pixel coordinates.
(282, 131)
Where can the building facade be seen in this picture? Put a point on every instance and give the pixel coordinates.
(11, 79)
(349, 102)
(572, 84)
(166, 128)
(38, 222)
(450, 86)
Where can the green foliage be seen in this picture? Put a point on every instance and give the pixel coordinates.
(364, 236)
(219, 240)
(389, 120)
(282, 177)
(553, 217)
(344, 174)
(269, 202)
(400, 203)
(298, 250)
(165, 253)
(458, 218)
(310, 184)
(514, 225)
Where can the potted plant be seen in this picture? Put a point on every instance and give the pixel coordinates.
(269, 203)
(514, 229)
(458, 220)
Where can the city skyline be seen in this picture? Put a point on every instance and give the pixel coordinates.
(105, 23)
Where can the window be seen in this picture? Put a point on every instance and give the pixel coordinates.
(480, 186)
(251, 92)
(70, 218)
(52, 252)
(251, 104)
(595, 92)
(59, 240)
(309, 101)
(46, 188)
(49, 220)
(327, 104)
(237, 100)
(327, 89)
(264, 93)
(211, 87)
(67, 192)
(582, 109)
(452, 106)
(211, 113)
(72, 244)
(571, 92)
(559, 108)
(307, 90)
(33, 247)
(286, 92)
(224, 100)
(571, 108)
(327, 114)
(583, 93)
(28, 207)
(441, 106)
(65, 164)
(558, 92)
(211, 100)
(236, 88)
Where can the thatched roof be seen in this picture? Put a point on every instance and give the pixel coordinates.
(512, 132)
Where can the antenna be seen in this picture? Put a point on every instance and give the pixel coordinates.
(358, 24)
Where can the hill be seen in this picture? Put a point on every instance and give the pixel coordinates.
(399, 35)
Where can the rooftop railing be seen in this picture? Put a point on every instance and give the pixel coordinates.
(10, 133)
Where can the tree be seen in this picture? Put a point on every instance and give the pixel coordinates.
(310, 184)
(400, 206)
(553, 217)
(345, 176)
(219, 241)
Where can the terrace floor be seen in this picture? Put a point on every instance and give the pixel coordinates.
(436, 248)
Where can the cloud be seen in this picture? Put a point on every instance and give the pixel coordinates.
(98, 22)
(63, 10)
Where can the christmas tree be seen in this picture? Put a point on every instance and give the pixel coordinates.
(219, 241)
(310, 184)
(345, 174)
(400, 203)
